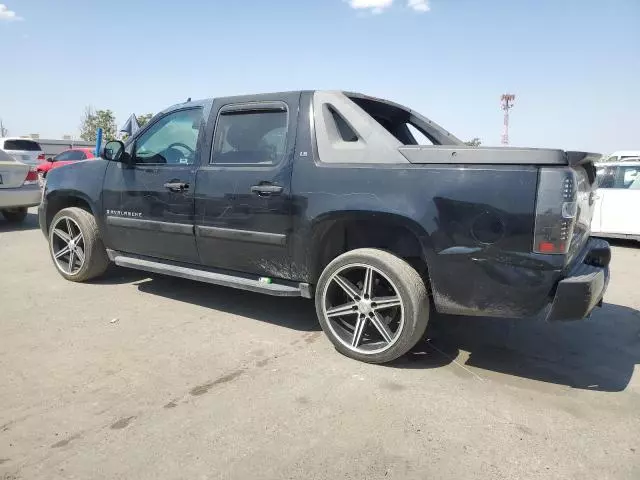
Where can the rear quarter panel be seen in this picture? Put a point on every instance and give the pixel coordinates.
(474, 224)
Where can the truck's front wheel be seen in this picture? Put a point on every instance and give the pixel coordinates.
(75, 245)
(372, 305)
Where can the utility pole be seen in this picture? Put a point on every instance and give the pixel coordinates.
(506, 103)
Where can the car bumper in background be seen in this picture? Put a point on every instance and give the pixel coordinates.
(583, 288)
(24, 196)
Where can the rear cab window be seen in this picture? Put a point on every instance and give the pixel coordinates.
(22, 145)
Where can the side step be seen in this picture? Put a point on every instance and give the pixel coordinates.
(225, 278)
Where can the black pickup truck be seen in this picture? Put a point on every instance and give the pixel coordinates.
(375, 211)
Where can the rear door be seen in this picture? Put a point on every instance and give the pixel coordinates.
(243, 190)
(23, 150)
(621, 202)
(149, 206)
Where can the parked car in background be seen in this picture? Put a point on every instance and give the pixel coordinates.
(19, 188)
(621, 156)
(24, 150)
(65, 158)
(617, 200)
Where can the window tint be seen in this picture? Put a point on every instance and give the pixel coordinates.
(171, 140)
(250, 137)
(28, 145)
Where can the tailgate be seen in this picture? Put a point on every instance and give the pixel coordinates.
(12, 174)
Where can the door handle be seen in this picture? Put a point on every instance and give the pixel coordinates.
(267, 190)
(177, 186)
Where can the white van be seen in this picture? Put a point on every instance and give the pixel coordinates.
(617, 200)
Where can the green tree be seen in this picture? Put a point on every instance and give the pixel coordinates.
(144, 119)
(474, 142)
(94, 119)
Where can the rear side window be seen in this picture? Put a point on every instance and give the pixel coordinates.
(250, 137)
(25, 145)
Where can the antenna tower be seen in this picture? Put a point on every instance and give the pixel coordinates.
(506, 103)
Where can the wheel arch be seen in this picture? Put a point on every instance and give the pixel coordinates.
(58, 200)
(338, 232)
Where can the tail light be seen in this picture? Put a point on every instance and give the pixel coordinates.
(41, 157)
(556, 211)
(32, 177)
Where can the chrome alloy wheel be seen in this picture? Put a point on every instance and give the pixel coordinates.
(67, 245)
(363, 308)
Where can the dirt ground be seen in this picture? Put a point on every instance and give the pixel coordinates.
(148, 377)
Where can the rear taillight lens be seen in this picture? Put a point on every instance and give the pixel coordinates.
(556, 210)
(32, 177)
(41, 157)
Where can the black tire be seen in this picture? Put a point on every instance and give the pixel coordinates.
(15, 215)
(409, 287)
(96, 260)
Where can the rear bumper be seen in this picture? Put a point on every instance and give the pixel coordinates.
(24, 196)
(584, 286)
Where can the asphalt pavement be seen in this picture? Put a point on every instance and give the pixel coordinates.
(147, 377)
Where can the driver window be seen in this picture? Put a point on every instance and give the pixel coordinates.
(171, 140)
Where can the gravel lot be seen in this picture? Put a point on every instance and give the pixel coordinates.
(148, 377)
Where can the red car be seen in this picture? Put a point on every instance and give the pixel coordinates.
(65, 158)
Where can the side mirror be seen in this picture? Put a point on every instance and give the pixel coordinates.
(50, 159)
(114, 151)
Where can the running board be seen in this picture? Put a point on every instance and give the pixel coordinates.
(280, 288)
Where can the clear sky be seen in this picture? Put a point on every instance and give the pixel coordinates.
(574, 65)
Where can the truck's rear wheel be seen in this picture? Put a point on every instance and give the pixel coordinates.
(75, 245)
(372, 305)
(15, 215)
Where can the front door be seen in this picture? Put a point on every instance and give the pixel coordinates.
(149, 205)
(243, 191)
